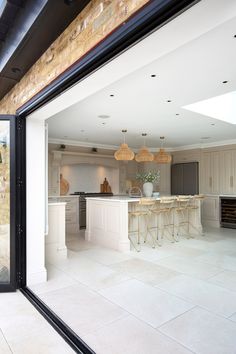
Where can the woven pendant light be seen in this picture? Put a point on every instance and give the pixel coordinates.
(124, 153)
(162, 157)
(144, 155)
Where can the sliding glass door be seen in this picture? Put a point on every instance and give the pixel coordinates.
(7, 203)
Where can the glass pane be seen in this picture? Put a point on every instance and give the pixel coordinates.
(4, 202)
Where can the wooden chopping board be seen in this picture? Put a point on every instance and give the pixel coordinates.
(64, 186)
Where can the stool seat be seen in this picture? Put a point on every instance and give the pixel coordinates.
(146, 204)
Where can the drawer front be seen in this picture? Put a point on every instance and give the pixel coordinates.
(70, 200)
(71, 218)
(71, 207)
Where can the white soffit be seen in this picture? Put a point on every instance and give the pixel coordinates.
(191, 24)
(221, 107)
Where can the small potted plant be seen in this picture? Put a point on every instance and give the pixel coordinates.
(148, 178)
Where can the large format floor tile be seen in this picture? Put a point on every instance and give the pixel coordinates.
(219, 260)
(202, 293)
(131, 336)
(105, 256)
(157, 275)
(45, 341)
(233, 317)
(190, 267)
(82, 309)
(24, 331)
(145, 302)
(227, 279)
(4, 347)
(56, 280)
(203, 332)
(133, 267)
(90, 273)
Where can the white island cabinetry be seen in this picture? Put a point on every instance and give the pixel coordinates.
(108, 221)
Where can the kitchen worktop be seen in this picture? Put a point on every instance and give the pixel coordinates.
(122, 198)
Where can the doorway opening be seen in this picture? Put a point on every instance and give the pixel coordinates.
(84, 266)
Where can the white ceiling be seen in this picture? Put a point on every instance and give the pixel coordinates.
(190, 73)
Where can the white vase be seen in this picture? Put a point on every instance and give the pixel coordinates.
(148, 189)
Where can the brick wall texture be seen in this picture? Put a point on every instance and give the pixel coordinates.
(94, 23)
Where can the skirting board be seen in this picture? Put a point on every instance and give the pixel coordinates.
(211, 223)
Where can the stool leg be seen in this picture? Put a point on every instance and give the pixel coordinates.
(159, 240)
(138, 231)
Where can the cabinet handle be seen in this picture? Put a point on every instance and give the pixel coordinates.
(231, 181)
(210, 181)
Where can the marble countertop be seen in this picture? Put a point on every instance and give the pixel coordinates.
(63, 196)
(124, 198)
(57, 203)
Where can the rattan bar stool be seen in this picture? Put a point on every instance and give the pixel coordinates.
(182, 213)
(194, 206)
(164, 218)
(141, 213)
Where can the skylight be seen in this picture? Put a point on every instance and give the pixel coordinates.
(2, 6)
(221, 107)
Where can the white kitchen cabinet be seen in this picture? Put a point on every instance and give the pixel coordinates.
(210, 211)
(72, 213)
(228, 171)
(210, 172)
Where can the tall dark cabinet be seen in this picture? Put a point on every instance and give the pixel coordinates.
(185, 178)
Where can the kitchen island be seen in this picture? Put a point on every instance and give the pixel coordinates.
(108, 220)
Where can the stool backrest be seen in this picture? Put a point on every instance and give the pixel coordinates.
(147, 201)
(167, 200)
(199, 196)
(183, 200)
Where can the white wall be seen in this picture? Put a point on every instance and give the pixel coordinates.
(87, 178)
(35, 175)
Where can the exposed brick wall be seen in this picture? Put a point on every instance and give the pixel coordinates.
(94, 23)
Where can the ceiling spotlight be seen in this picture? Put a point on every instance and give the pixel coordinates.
(224, 82)
(103, 123)
(103, 116)
(168, 101)
(205, 137)
(212, 124)
(153, 75)
(112, 95)
(235, 36)
(82, 131)
(177, 114)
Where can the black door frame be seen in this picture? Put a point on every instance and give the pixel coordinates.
(11, 285)
(150, 17)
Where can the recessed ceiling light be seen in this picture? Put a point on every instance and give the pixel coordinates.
(205, 137)
(103, 116)
(65, 136)
(112, 95)
(212, 124)
(177, 114)
(224, 82)
(235, 36)
(168, 101)
(82, 131)
(103, 123)
(153, 75)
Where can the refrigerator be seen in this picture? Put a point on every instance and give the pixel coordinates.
(185, 178)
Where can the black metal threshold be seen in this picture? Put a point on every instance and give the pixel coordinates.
(74, 341)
